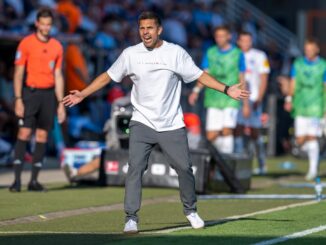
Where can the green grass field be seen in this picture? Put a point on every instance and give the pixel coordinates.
(52, 216)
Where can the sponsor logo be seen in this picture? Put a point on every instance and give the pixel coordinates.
(112, 167)
(158, 169)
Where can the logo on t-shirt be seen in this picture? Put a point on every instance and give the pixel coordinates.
(266, 63)
(51, 64)
(18, 55)
(151, 62)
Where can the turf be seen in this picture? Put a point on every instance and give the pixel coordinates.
(108, 225)
(153, 217)
(244, 231)
(63, 197)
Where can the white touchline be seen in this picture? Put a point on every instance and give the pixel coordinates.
(215, 222)
(236, 217)
(292, 236)
(59, 232)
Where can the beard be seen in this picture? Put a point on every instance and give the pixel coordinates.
(44, 33)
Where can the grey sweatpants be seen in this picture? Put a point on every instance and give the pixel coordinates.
(174, 144)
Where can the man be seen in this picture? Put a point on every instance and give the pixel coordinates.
(256, 76)
(36, 101)
(225, 63)
(306, 101)
(156, 68)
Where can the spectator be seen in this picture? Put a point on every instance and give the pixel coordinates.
(76, 71)
(72, 12)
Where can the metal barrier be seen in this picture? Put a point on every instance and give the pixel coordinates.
(272, 30)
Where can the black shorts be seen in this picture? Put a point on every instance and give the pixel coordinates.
(40, 108)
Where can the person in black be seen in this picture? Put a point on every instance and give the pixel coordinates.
(36, 99)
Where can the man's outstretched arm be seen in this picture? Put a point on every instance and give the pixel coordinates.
(76, 96)
(233, 91)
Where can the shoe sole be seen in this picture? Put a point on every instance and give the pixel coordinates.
(197, 228)
(130, 232)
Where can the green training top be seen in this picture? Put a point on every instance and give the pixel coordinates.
(308, 97)
(224, 66)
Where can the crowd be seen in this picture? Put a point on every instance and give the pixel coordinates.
(95, 32)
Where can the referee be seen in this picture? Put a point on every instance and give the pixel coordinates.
(156, 68)
(36, 100)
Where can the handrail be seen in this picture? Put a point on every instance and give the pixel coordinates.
(272, 30)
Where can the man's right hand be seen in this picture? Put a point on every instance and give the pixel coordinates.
(19, 108)
(73, 98)
(193, 98)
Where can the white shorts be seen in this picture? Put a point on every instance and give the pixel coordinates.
(217, 119)
(307, 126)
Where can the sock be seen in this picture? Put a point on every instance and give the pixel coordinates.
(238, 144)
(37, 160)
(228, 144)
(19, 153)
(260, 152)
(313, 155)
(218, 142)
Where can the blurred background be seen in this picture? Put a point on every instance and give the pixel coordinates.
(95, 32)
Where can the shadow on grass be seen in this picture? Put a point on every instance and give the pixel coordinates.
(106, 239)
(209, 223)
(86, 184)
(281, 175)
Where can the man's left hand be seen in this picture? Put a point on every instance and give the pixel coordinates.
(237, 93)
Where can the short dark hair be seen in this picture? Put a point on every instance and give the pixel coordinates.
(222, 28)
(312, 40)
(245, 33)
(44, 12)
(150, 15)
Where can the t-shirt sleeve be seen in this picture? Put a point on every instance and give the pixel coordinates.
(58, 63)
(21, 53)
(118, 69)
(242, 63)
(264, 64)
(186, 67)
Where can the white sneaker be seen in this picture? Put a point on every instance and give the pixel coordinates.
(260, 171)
(311, 176)
(130, 227)
(195, 221)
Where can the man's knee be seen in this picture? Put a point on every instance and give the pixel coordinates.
(24, 134)
(41, 135)
(183, 169)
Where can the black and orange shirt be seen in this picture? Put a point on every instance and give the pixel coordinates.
(41, 59)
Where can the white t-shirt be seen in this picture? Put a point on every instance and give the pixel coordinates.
(156, 76)
(256, 64)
